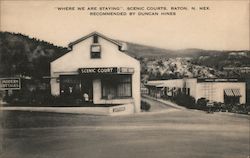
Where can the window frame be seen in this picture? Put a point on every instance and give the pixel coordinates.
(99, 52)
(116, 87)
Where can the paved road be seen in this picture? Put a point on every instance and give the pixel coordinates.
(174, 133)
(156, 106)
(160, 105)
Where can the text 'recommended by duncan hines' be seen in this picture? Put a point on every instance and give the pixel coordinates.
(134, 10)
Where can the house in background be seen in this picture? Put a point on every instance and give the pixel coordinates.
(98, 71)
(228, 91)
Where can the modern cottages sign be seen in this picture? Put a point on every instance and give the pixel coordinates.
(10, 83)
(106, 70)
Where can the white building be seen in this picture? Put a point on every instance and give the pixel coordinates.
(97, 70)
(215, 90)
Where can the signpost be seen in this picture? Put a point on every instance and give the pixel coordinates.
(10, 84)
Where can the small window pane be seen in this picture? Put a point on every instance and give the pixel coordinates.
(96, 48)
(95, 51)
(95, 55)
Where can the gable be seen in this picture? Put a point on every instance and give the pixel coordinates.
(120, 45)
(80, 55)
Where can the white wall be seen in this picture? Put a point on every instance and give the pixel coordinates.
(79, 57)
(178, 83)
(218, 90)
(200, 89)
(191, 84)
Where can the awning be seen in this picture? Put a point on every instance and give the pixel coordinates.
(236, 92)
(154, 84)
(229, 92)
(232, 92)
(160, 86)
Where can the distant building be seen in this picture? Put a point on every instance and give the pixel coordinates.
(97, 71)
(237, 70)
(144, 90)
(215, 90)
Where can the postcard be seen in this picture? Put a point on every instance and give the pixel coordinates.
(119, 79)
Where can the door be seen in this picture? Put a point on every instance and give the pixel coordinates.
(69, 86)
(87, 89)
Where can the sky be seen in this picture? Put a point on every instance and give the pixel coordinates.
(224, 26)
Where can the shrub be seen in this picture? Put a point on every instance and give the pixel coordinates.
(217, 106)
(248, 108)
(184, 100)
(202, 102)
(34, 98)
(145, 106)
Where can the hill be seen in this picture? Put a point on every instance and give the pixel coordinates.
(21, 55)
(220, 61)
(144, 51)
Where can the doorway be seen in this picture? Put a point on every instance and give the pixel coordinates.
(76, 88)
(87, 89)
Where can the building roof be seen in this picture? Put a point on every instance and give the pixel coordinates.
(156, 83)
(121, 45)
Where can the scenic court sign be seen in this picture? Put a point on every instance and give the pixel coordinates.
(106, 70)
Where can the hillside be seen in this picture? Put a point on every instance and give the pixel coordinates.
(22, 55)
(172, 68)
(219, 61)
(143, 51)
(157, 63)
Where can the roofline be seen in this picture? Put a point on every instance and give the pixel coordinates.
(98, 34)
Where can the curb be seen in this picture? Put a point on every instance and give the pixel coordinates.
(102, 111)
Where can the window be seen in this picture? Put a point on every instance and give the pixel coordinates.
(95, 39)
(178, 90)
(184, 90)
(188, 91)
(117, 87)
(95, 51)
(70, 85)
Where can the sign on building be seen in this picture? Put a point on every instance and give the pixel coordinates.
(10, 83)
(100, 70)
(106, 70)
